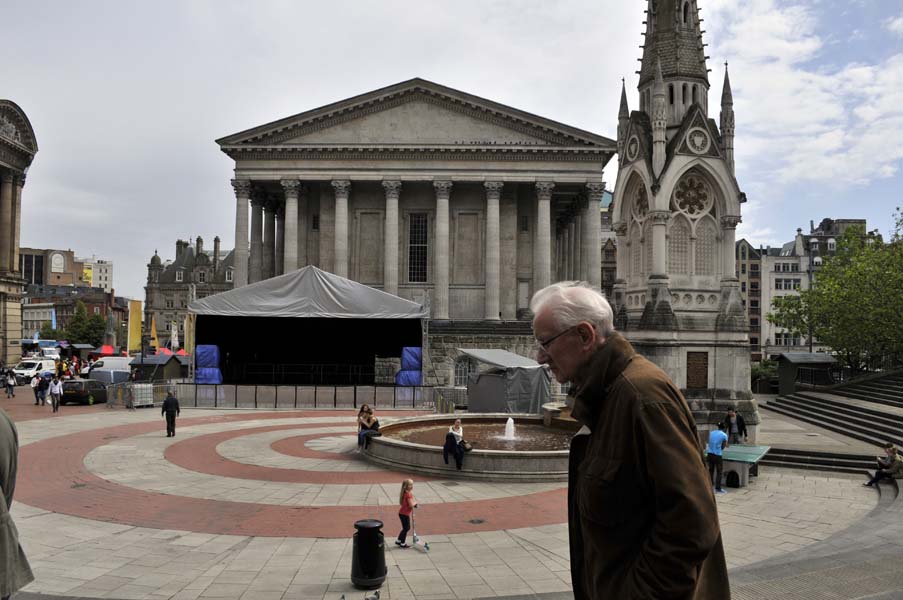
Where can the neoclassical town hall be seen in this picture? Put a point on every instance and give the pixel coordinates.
(443, 197)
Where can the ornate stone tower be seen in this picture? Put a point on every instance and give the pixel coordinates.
(18, 146)
(676, 207)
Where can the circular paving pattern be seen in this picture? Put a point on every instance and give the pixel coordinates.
(257, 474)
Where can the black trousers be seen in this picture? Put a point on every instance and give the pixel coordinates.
(405, 527)
(170, 423)
(879, 475)
(716, 467)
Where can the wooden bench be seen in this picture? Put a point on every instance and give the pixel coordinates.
(741, 459)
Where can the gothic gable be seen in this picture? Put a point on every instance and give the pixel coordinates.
(416, 112)
(697, 136)
(18, 144)
(638, 140)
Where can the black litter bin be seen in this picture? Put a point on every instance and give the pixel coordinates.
(368, 558)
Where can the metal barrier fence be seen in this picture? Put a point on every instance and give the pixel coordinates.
(191, 395)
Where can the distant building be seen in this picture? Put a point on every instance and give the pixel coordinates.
(98, 272)
(43, 303)
(749, 272)
(48, 266)
(171, 286)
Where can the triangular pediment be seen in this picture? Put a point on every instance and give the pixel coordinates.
(698, 135)
(416, 112)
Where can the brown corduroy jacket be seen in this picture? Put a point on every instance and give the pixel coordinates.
(641, 511)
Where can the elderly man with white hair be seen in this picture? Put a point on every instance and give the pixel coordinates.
(641, 511)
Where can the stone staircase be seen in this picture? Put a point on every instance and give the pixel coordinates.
(852, 420)
(887, 389)
(818, 461)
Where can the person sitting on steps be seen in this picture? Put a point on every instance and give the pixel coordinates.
(893, 468)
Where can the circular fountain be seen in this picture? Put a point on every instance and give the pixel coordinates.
(506, 447)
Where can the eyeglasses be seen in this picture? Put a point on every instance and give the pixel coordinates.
(545, 345)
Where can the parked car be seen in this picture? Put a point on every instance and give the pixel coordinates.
(28, 368)
(83, 391)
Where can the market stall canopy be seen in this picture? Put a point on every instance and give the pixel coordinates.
(515, 384)
(309, 292)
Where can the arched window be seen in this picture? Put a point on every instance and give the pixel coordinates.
(464, 368)
(705, 247)
(685, 96)
(671, 93)
(695, 94)
(832, 245)
(679, 247)
(686, 12)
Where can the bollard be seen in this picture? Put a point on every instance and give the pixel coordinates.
(368, 557)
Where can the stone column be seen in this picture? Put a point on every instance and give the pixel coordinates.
(595, 192)
(440, 278)
(508, 254)
(619, 290)
(566, 252)
(242, 189)
(578, 241)
(269, 241)
(728, 246)
(255, 263)
(660, 220)
(572, 248)
(341, 187)
(6, 215)
(390, 237)
(543, 249)
(493, 193)
(17, 221)
(303, 211)
(290, 225)
(279, 257)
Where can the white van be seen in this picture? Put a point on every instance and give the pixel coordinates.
(29, 367)
(111, 369)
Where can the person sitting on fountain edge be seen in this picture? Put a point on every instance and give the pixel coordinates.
(368, 426)
(454, 444)
(642, 518)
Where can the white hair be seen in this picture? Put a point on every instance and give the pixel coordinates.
(572, 302)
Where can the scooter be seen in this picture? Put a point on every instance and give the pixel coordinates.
(419, 543)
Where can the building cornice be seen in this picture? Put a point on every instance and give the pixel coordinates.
(419, 152)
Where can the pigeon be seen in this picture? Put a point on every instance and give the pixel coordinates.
(373, 596)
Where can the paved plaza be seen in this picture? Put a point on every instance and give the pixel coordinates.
(260, 505)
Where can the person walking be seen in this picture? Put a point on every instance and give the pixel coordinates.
(10, 382)
(642, 519)
(43, 387)
(735, 427)
(170, 410)
(714, 456)
(36, 388)
(15, 572)
(56, 393)
(407, 504)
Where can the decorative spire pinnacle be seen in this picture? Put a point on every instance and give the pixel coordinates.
(659, 88)
(625, 111)
(673, 36)
(727, 97)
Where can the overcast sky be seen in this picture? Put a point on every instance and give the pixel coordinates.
(126, 98)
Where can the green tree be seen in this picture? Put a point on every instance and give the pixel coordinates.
(95, 329)
(49, 333)
(76, 329)
(855, 306)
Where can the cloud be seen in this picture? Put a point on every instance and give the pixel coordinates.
(895, 25)
(798, 121)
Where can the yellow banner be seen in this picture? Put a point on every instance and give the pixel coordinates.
(153, 332)
(134, 325)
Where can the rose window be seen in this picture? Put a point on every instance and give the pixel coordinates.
(640, 203)
(692, 196)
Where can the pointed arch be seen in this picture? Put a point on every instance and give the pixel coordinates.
(686, 12)
(695, 93)
(706, 251)
(679, 246)
(723, 185)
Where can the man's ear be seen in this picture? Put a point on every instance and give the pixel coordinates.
(587, 333)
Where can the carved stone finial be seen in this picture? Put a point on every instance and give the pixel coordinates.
(620, 229)
(242, 187)
(660, 216)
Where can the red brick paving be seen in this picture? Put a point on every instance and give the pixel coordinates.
(52, 476)
(199, 454)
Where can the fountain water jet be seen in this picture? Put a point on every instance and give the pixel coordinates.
(509, 430)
